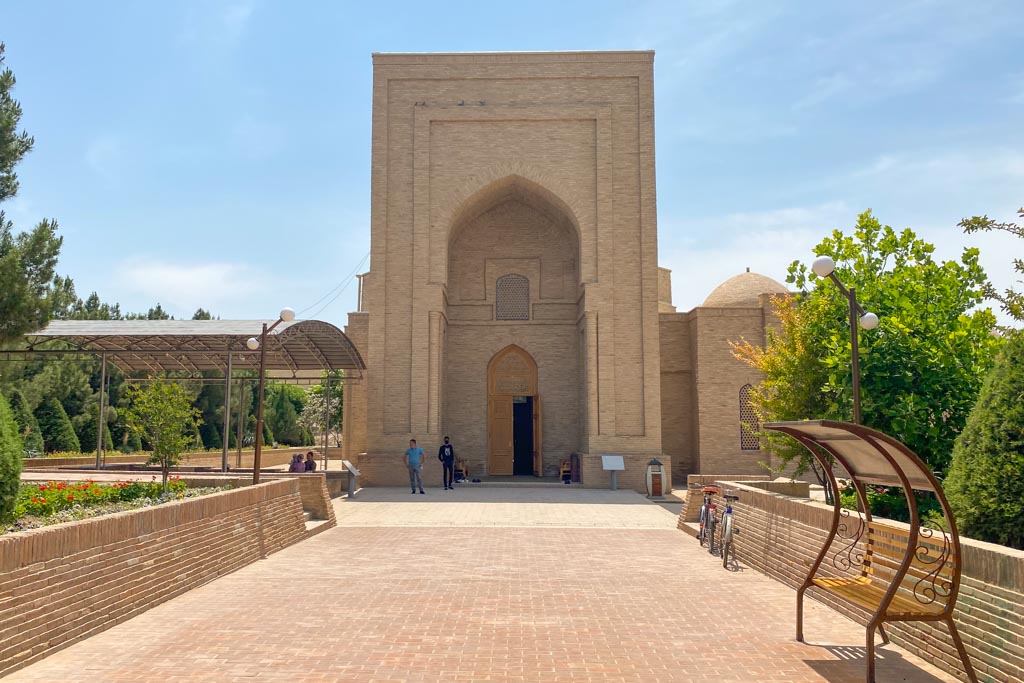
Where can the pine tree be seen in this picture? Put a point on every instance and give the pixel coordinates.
(28, 426)
(58, 432)
(10, 461)
(985, 485)
(210, 435)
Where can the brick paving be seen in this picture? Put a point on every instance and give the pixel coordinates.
(609, 593)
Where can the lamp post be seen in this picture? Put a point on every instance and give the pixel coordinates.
(824, 266)
(286, 316)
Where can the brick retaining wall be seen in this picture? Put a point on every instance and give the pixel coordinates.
(62, 583)
(780, 536)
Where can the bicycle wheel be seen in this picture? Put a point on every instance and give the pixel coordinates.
(710, 526)
(726, 541)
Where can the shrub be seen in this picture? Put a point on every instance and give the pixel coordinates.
(985, 485)
(28, 426)
(85, 430)
(10, 460)
(58, 433)
(210, 436)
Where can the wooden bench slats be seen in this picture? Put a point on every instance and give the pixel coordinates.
(867, 594)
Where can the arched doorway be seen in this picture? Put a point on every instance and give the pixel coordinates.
(513, 414)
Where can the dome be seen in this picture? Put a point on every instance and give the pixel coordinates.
(743, 291)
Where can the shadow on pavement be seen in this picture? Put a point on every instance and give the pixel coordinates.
(850, 665)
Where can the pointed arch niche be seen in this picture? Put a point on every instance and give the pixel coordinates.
(512, 226)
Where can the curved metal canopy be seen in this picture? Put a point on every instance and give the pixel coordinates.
(294, 349)
(866, 454)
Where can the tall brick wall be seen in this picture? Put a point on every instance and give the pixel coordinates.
(781, 536)
(678, 404)
(63, 583)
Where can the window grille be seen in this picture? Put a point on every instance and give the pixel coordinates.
(749, 424)
(512, 298)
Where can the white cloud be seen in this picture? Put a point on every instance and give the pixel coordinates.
(105, 155)
(824, 89)
(764, 241)
(946, 170)
(184, 287)
(236, 18)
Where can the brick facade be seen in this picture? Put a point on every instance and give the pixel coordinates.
(63, 583)
(538, 165)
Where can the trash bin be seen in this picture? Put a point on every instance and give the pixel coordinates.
(655, 479)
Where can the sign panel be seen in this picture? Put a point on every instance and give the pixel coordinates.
(612, 462)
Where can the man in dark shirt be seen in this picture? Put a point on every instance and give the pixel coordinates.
(446, 454)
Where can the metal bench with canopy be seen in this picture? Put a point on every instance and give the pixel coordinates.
(888, 571)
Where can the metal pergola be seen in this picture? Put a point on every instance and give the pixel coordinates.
(299, 351)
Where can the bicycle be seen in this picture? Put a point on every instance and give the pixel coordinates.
(728, 530)
(706, 532)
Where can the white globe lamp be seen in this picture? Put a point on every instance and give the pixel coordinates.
(287, 314)
(252, 343)
(823, 266)
(869, 321)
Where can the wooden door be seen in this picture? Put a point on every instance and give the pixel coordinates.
(499, 435)
(538, 460)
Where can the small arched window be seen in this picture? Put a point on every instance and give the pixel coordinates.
(749, 424)
(512, 298)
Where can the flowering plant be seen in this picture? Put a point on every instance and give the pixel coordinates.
(51, 497)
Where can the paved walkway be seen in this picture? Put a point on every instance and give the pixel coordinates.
(507, 585)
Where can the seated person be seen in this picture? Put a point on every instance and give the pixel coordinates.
(297, 464)
(310, 462)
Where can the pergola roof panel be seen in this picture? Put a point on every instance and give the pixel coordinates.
(867, 455)
(294, 349)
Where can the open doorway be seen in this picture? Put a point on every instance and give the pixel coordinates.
(513, 415)
(522, 435)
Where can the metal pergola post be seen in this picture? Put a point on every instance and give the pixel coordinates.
(99, 419)
(227, 415)
(238, 433)
(327, 416)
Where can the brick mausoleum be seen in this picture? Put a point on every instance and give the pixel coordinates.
(514, 299)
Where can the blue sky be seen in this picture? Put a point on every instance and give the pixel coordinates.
(216, 153)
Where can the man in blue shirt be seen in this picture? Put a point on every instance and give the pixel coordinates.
(414, 461)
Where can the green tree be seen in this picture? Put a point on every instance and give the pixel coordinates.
(161, 412)
(27, 259)
(210, 435)
(27, 263)
(157, 313)
(921, 369)
(1011, 301)
(10, 461)
(13, 145)
(58, 433)
(285, 402)
(314, 412)
(985, 485)
(85, 425)
(202, 314)
(28, 426)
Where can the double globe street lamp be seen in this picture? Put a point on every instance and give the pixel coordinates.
(825, 266)
(286, 316)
